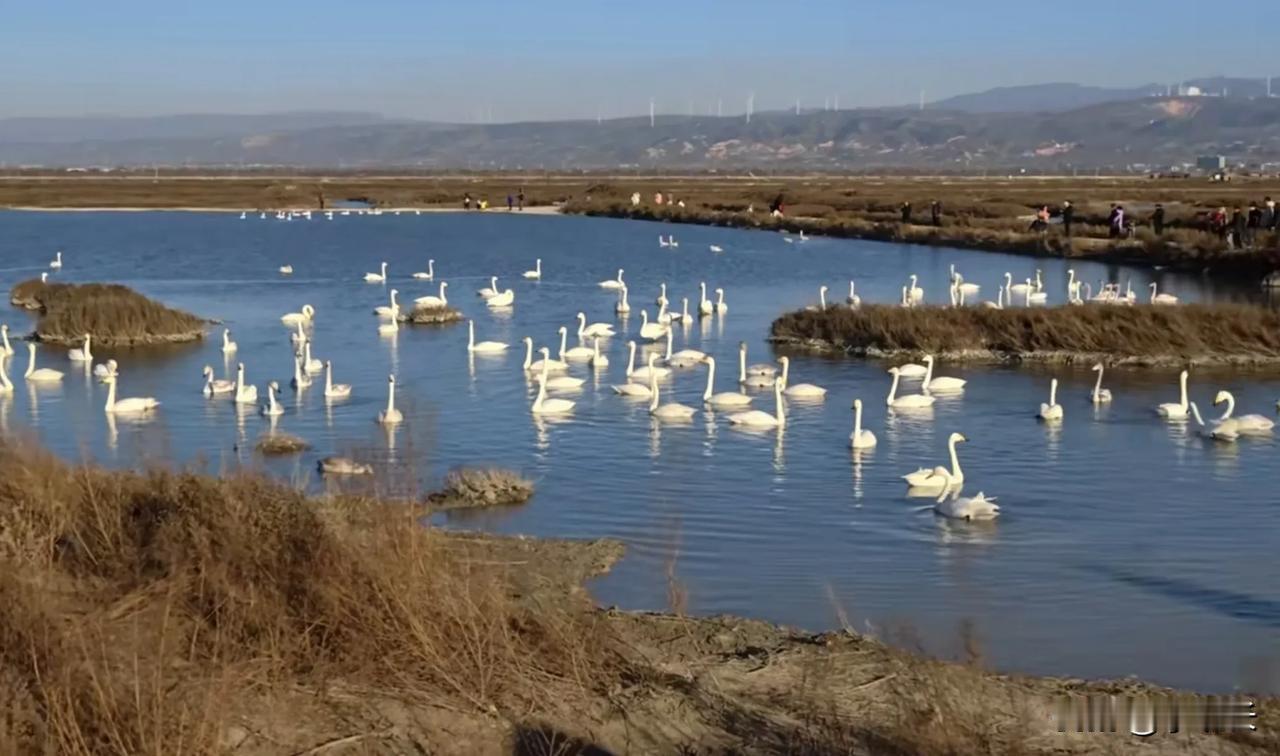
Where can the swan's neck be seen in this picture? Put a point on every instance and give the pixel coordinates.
(1053, 393)
(1182, 384)
(857, 420)
(431, 268)
(670, 339)
(1097, 387)
(31, 362)
(779, 409)
(328, 377)
(528, 354)
(742, 366)
(955, 461)
(111, 395)
(442, 299)
(822, 298)
(928, 373)
(471, 334)
(582, 325)
(786, 371)
(893, 388)
(1231, 406)
(542, 394)
(7, 348)
(851, 289)
(564, 337)
(391, 397)
(720, 298)
(711, 379)
(631, 359)
(653, 390)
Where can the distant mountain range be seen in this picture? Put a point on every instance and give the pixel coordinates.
(1047, 127)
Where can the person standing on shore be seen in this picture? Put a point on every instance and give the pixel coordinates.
(1068, 216)
(1253, 223)
(466, 201)
(906, 212)
(1117, 221)
(511, 202)
(935, 212)
(520, 200)
(1269, 214)
(1238, 227)
(1157, 219)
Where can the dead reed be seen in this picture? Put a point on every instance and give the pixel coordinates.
(281, 444)
(467, 487)
(114, 315)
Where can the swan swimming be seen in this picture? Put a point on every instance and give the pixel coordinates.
(299, 318)
(720, 306)
(684, 357)
(536, 367)
(1219, 431)
(483, 347)
(536, 273)
(613, 283)
(82, 354)
(723, 399)
(544, 406)
(662, 300)
(300, 378)
(334, 390)
(952, 505)
(909, 401)
(1245, 424)
(580, 353)
(598, 360)
(343, 466)
(623, 307)
(669, 411)
(391, 415)
(760, 418)
(438, 301)
(429, 274)
(1099, 395)
(272, 408)
(800, 390)
(595, 329)
(559, 382)
(6, 348)
(1161, 299)
(389, 311)
(942, 382)
(228, 346)
(56, 263)
(501, 299)
(1052, 410)
(651, 331)
(650, 370)
(716, 248)
(489, 291)
(43, 375)
(759, 379)
(213, 387)
(377, 277)
(925, 480)
(1176, 411)
(860, 438)
(704, 305)
(105, 370)
(309, 364)
(244, 394)
(630, 389)
(124, 406)
(286, 270)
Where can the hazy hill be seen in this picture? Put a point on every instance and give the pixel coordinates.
(1066, 96)
(183, 126)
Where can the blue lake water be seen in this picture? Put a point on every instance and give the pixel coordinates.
(1126, 545)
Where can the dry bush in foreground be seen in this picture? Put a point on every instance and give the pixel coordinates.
(112, 314)
(1186, 332)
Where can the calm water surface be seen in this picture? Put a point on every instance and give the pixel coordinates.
(1126, 545)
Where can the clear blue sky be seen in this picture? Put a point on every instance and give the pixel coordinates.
(561, 58)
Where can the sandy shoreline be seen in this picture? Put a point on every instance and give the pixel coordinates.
(538, 210)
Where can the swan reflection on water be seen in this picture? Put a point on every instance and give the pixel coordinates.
(859, 456)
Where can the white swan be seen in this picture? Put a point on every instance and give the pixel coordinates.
(966, 289)
(822, 300)
(272, 408)
(300, 378)
(213, 387)
(1033, 296)
(483, 347)
(559, 382)
(1016, 288)
(56, 263)
(643, 374)
(391, 415)
(244, 394)
(1176, 411)
(1052, 410)
(671, 241)
(999, 303)
(438, 301)
(662, 241)
(585, 331)
(704, 305)
(43, 375)
(915, 294)
(716, 248)
(343, 466)
(613, 283)
(580, 353)
(942, 382)
(860, 438)
(389, 311)
(952, 505)
(501, 299)
(760, 368)
(683, 315)
(82, 354)
(298, 337)
(1245, 423)
(105, 370)
(651, 331)
(299, 318)
(853, 300)
(760, 418)
(669, 411)
(1161, 299)
(759, 379)
(490, 290)
(723, 399)
(598, 360)
(623, 306)
(429, 274)
(910, 401)
(662, 300)
(125, 406)
(1218, 431)
(388, 328)
(334, 390)
(925, 480)
(228, 346)
(286, 270)
(721, 307)
(377, 277)
(536, 367)
(684, 357)
(912, 370)
(629, 389)
(309, 364)
(544, 406)
(536, 273)
(6, 348)
(800, 390)
(1099, 395)
(6, 386)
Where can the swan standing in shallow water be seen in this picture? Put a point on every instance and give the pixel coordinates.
(1161, 299)
(334, 390)
(613, 283)
(544, 406)
(299, 318)
(6, 348)
(595, 329)
(244, 394)
(942, 382)
(724, 399)
(925, 480)
(760, 418)
(43, 375)
(800, 390)
(82, 354)
(536, 367)
(56, 263)
(228, 346)
(483, 347)
(124, 406)
(1245, 424)
(429, 274)
(952, 505)
(669, 411)
(915, 294)
(1099, 395)
(909, 401)
(536, 273)
(272, 408)
(429, 301)
(213, 387)
(1052, 410)
(377, 277)
(391, 415)
(1176, 411)
(860, 438)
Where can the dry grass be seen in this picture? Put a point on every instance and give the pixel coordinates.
(1189, 333)
(281, 444)
(466, 487)
(114, 315)
(433, 315)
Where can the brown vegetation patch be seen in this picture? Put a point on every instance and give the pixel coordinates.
(114, 315)
(281, 444)
(467, 487)
(433, 315)
(1142, 333)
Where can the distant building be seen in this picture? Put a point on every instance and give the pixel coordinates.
(1211, 163)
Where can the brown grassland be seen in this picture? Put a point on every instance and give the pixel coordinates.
(177, 613)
